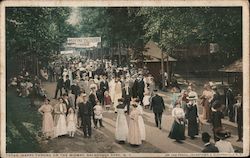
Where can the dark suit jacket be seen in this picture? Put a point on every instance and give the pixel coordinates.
(124, 95)
(138, 88)
(104, 86)
(67, 84)
(75, 89)
(59, 83)
(210, 148)
(157, 104)
(85, 109)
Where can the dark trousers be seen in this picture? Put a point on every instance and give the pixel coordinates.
(231, 113)
(127, 103)
(66, 90)
(86, 122)
(240, 131)
(158, 117)
(58, 89)
(141, 97)
(100, 122)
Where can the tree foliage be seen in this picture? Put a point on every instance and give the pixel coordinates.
(41, 31)
(189, 25)
(36, 31)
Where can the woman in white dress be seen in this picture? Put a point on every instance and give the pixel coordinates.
(121, 128)
(60, 119)
(134, 135)
(48, 124)
(140, 121)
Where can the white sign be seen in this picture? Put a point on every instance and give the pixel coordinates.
(86, 42)
(66, 52)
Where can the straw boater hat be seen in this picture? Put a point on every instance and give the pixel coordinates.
(192, 96)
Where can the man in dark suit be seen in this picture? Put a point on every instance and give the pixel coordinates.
(85, 112)
(229, 104)
(209, 148)
(67, 85)
(93, 100)
(126, 95)
(75, 89)
(104, 86)
(59, 86)
(157, 105)
(138, 87)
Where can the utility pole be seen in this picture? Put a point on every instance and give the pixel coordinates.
(119, 45)
(162, 65)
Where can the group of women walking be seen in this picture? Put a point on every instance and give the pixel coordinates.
(134, 131)
(55, 121)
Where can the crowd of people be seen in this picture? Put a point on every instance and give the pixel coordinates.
(28, 86)
(185, 112)
(89, 88)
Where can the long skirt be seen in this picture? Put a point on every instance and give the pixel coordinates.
(61, 127)
(193, 127)
(177, 132)
(121, 128)
(48, 124)
(134, 136)
(205, 109)
(142, 128)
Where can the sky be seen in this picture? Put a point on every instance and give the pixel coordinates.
(74, 18)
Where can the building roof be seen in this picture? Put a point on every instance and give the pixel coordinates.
(234, 67)
(153, 52)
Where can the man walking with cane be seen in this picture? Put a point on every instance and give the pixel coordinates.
(157, 105)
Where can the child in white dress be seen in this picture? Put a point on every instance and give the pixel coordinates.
(98, 114)
(71, 122)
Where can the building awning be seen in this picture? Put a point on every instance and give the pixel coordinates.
(234, 67)
(153, 60)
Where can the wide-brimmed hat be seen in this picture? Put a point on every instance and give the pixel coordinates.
(192, 96)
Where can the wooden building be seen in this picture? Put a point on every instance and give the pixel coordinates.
(234, 74)
(152, 55)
